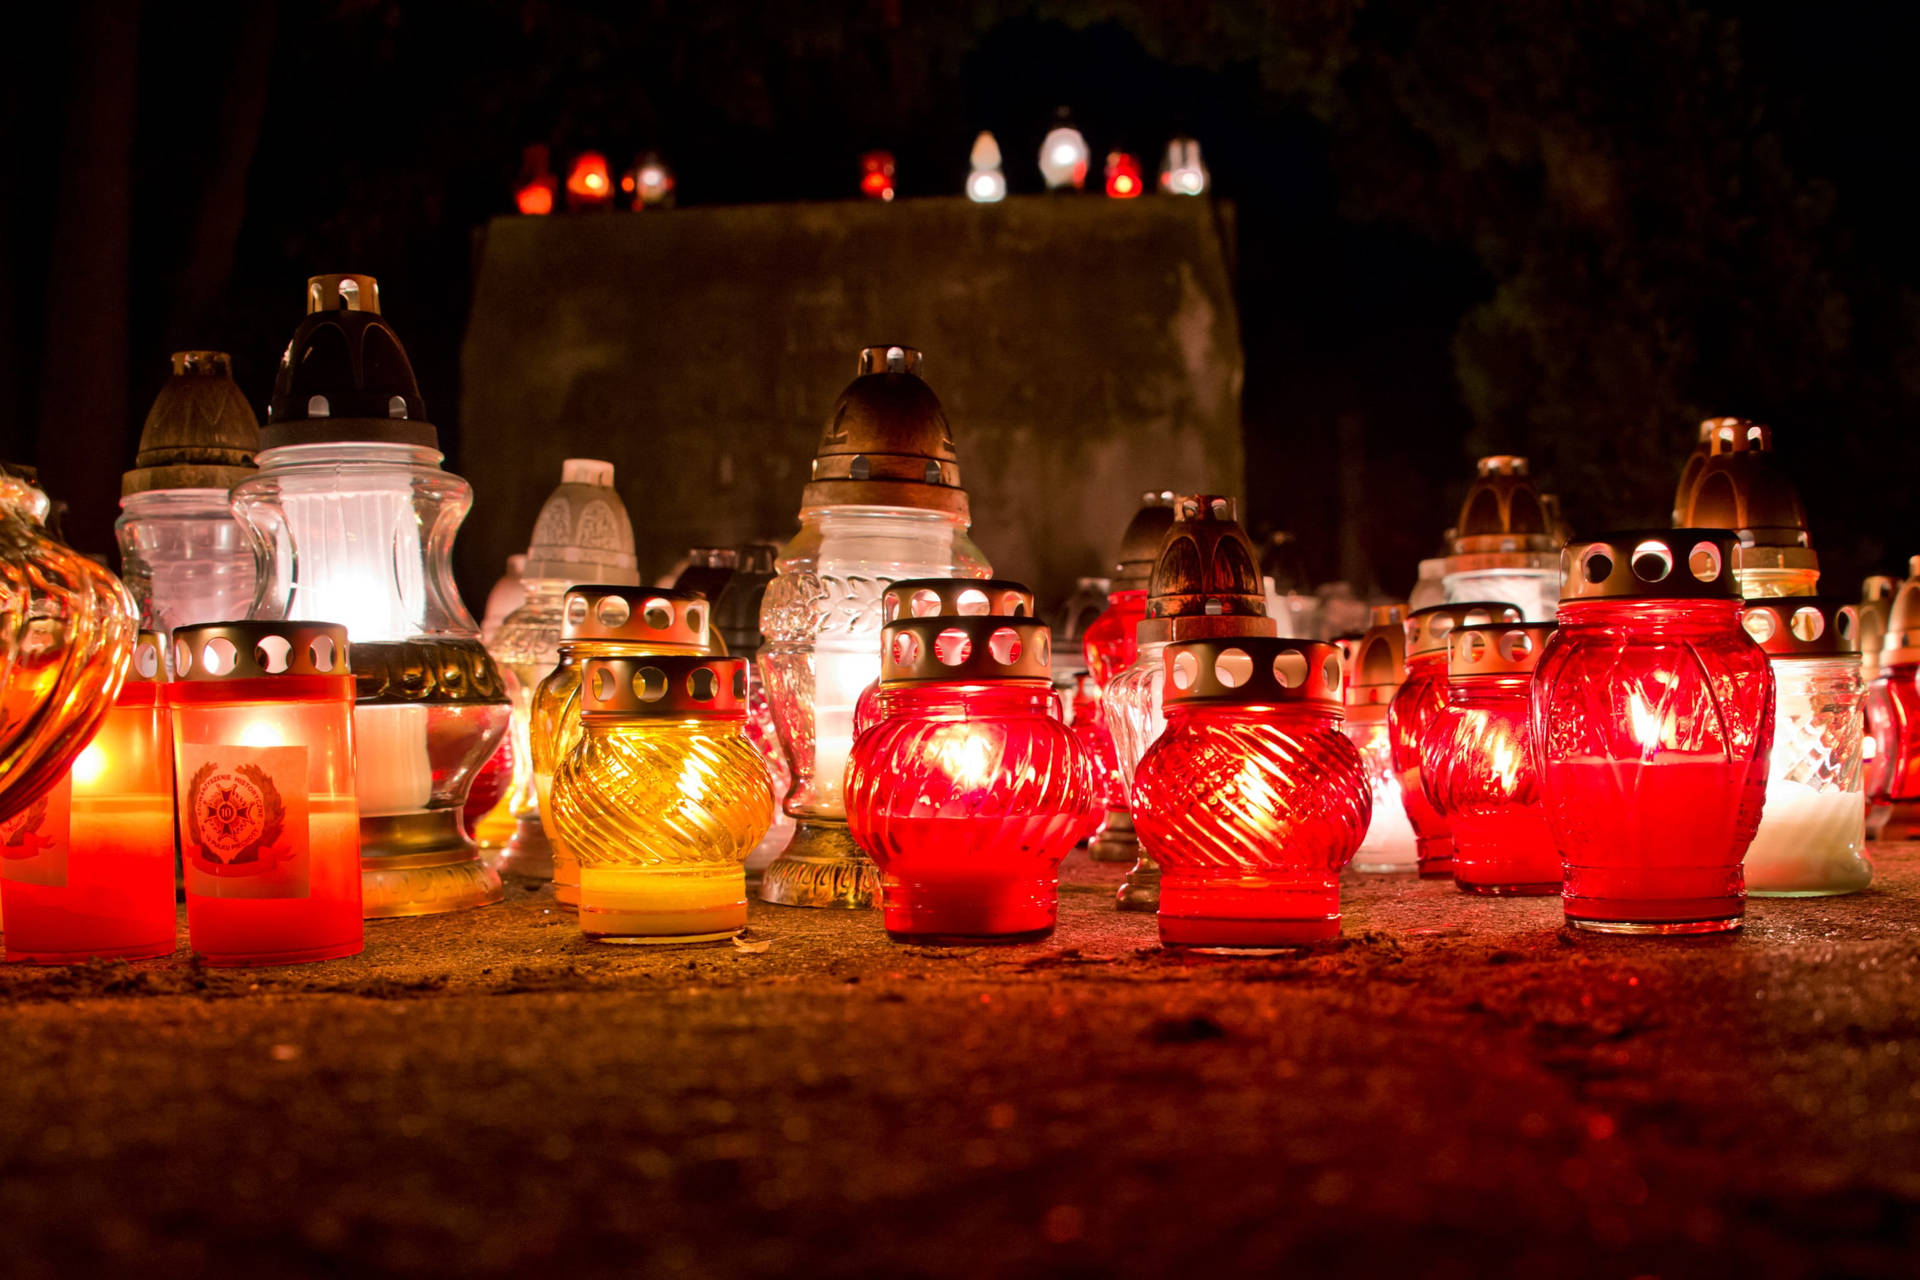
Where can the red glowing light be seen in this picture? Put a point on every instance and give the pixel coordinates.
(1123, 176)
(535, 198)
(876, 175)
(1416, 705)
(589, 184)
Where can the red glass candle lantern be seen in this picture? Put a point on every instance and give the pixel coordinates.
(1479, 768)
(535, 194)
(88, 867)
(1893, 718)
(1112, 643)
(1123, 176)
(968, 791)
(876, 175)
(264, 773)
(1419, 700)
(1653, 717)
(1375, 666)
(1254, 798)
(589, 183)
(1089, 728)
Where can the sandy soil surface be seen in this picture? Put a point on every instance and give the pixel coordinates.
(1458, 1087)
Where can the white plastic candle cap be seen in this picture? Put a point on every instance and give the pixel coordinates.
(586, 471)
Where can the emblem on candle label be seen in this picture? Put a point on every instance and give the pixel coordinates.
(33, 842)
(243, 820)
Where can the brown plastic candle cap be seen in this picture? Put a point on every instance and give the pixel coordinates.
(888, 442)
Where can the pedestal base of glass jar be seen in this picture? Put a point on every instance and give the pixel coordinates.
(495, 828)
(969, 912)
(660, 907)
(529, 854)
(339, 950)
(1723, 924)
(1436, 857)
(1246, 913)
(1902, 821)
(1116, 842)
(823, 867)
(1140, 891)
(421, 864)
(82, 955)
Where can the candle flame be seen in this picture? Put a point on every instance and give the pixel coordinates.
(1649, 726)
(90, 765)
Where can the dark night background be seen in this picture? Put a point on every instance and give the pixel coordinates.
(1564, 229)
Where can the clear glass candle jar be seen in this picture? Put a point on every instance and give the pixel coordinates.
(601, 621)
(1653, 717)
(967, 790)
(1813, 832)
(1479, 768)
(736, 619)
(1254, 798)
(662, 798)
(88, 867)
(1416, 704)
(1374, 669)
(264, 776)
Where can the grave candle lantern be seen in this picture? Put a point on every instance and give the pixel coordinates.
(1064, 155)
(600, 621)
(1204, 583)
(967, 790)
(1182, 172)
(1893, 717)
(1254, 798)
(1506, 545)
(88, 867)
(1741, 484)
(1653, 716)
(1812, 837)
(884, 503)
(264, 782)
(986, 184)
(662, 798)
(1374, 671)
(1479, 768)
(736, 623)
(582, 535)
(1112, 644)
(1418, 701)
(352, 521)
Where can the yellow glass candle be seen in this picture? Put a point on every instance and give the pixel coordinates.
(601, 622)
(662, 798)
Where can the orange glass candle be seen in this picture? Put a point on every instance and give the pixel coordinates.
(263, 765)
(88, 867)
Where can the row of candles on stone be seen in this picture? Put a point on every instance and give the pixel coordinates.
(1621, 757)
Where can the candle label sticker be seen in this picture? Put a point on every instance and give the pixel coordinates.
(34, 842)
(243, 820)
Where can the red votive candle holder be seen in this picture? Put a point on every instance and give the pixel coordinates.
(968, 791)
(263, 767)
(88, 867)
(1893, 718)
(1416, 704)
(1254, 798)
(1653, 715)
(1479, 766)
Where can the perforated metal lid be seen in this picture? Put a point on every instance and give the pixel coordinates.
(1651, 564)
(954, 598)
(1496, 649)
(971, 649)
(664, 684)
(1253, 671)
(1803, 626)
(654, 616)
(1428, 628)
(1377, 665)
(252, 650)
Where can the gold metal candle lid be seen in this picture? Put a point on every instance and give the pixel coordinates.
(344, 377)
(654, 616)
(1377, 666)
(1428, 628)
(1505, 522)
(1253, 671)
(888, 443)
(1903, 620)
(1206, 579)
(971, 650)
(1803, 626)
(1742, 485)
(251, 650)
(1140, 544)
(955, 598)
(583, 533)
(149, 663)
(1876, 602)
(1496, 649)
(200, 432)
(1690, 470)
(664, 684)
(1651, 564)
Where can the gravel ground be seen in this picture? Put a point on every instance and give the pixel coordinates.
(1458, 1087)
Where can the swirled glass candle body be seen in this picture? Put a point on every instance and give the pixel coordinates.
(1653, 719)
(1251, 812)
(1421, 698)
(1088, 724)
(1479, 773)
(968, 796)
(1893, 722)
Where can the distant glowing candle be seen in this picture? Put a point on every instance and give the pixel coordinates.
(1064, 156)
(1374, 670)
(986, 184)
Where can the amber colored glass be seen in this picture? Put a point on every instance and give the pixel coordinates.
(1653, 719)
(1479, 773)
(660, 812)
(66, 638)
(304, 904)
(88, 867)
(1419, 701)
(1251, 811)
(968, 796)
